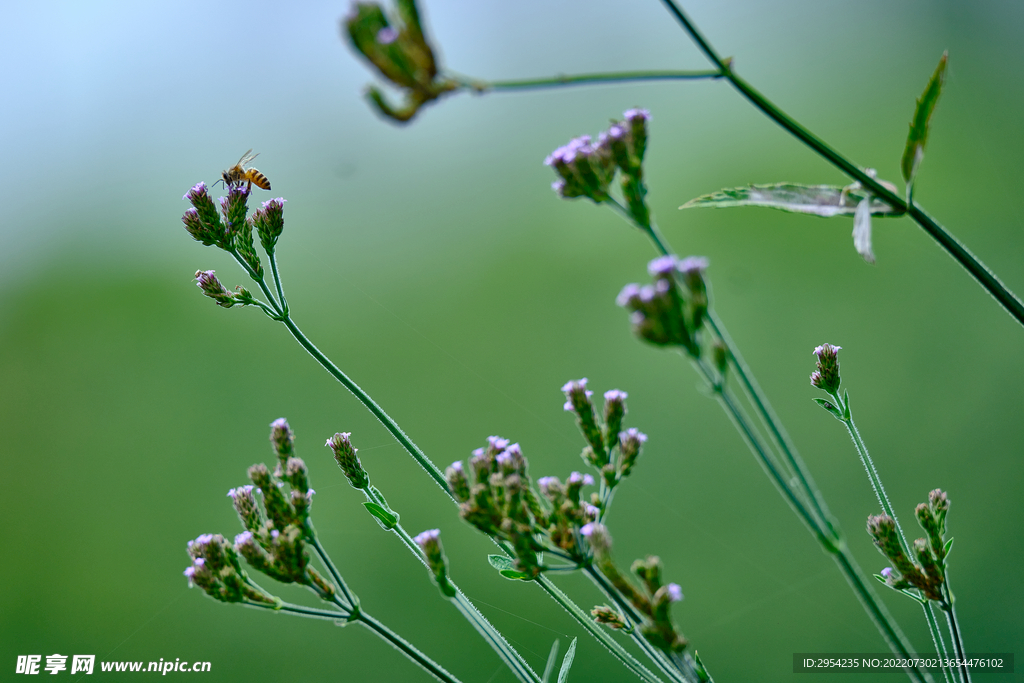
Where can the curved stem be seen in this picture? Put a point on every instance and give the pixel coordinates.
(960, 253)
(481, 86)
(364, 398)
(596, 630)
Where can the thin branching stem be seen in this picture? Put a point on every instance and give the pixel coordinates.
(596, 630)
(376, 627)
(352, 602)
(508, 654)
(481, 86)
(883, 501)
(960, 253)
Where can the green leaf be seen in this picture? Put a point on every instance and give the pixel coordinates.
(817, 200)
(500, 562)
(513, 575)
(918, 135)
(702, 672)
(385, 518)
(549, 668)
(829, 407)
(563, 673)
(946, 548)
(846, 404)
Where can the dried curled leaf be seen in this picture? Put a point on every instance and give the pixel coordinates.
(918, 135)
(817, 200)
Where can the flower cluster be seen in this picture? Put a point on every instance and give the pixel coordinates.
(826, 375)
(400, 52)
(215, 569)
(276, 529)
(348, 461)
(231, 230)
(927, 573)
(586, 168)
(430, 543)
(671, 310)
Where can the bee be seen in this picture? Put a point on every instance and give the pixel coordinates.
(238, 174)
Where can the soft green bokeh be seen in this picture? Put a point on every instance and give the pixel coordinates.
(434, 265)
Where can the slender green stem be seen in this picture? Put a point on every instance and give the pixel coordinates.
(936, 633)
(418, 455)
(277, 281)
(753, 392)
(258, 280)
(351, 600)
(960, 253)
(301, 610)
(508, 654)
(481, 86)
(396, 641)
(596, 630)
(406, 648)
(869, 467)
(954, 630)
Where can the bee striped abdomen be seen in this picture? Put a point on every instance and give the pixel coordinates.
(257, 178)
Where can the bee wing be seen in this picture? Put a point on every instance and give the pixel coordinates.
(247, 157)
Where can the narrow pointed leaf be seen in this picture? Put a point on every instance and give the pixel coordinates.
(702, 671)
(549, 668)
(846, 404)
(499, 562)
(917, 138)
(946, 548)
(563, 673)
(827, 405)
(817, 200)
(386, 519)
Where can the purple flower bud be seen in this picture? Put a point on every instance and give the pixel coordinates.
(348, 461)
(387, 35)
(207, 281)
(663, 266)
(826, 377)
(629, 297)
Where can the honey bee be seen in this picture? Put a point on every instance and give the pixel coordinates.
(238, 174)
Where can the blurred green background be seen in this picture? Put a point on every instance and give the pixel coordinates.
(434, 264)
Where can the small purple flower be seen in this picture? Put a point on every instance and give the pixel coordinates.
(615, 395)
(887, 572)
(693, 264)
(663, 266)
(629, 296)
(592, 512)
(387, 35)
(675, 593)
(427, 537)
(632, 115)
(196, 191)
(587, 529)
(457, 466)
